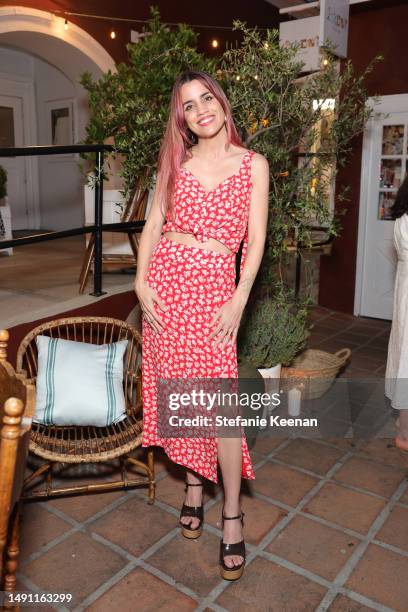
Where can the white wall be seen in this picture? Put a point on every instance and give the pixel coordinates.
(60, 181)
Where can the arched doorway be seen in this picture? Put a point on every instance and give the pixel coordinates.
(42, 102)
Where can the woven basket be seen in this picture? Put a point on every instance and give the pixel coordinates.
(316, 370)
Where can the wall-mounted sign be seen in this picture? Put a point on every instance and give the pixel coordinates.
(334, 23)
(305, 32)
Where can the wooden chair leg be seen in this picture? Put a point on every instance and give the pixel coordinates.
(2, 548)
(13, 552)
(134, 244)
(152, 483)
(86, 266)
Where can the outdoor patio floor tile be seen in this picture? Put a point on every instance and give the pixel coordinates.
(345, 507)
(385, 451)
(382, 575)
(152, 593)
(77, 565)
(282, 483)
(404, 497)
(126, 525)
(352, 499)
(266, 586)
(262, 517)
(89, 505)
(194, 563)
(38, 528)
(315, 338)
(395, 529)
(357, 373)
(171, 490)
(364, 363)
(255, 457)
(345, 604)
(266, 444)
(310, 456)
(329, 331)
(315, 547)
(345, 444)
(354, 337)
(374, 353)
(374, 477)
(332, 345)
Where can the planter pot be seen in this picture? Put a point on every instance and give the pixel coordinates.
(271, 378)
(273, 372)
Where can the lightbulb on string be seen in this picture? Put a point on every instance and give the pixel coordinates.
(112, 34)
(214, 43)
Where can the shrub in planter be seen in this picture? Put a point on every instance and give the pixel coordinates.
(273, 331)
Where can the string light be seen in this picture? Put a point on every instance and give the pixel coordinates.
(66, 24)
(112, 34)
(143, 21)
(214, 43)
(238, 77)
(325, 62)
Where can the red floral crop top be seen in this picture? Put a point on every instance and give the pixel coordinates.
(221, 213)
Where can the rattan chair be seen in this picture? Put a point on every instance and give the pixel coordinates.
(17, 405)
(74, 445)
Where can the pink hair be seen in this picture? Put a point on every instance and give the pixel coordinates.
(178, 138)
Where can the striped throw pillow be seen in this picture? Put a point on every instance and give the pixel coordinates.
(79, 383)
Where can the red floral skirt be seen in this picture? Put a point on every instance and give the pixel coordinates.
(193, 283)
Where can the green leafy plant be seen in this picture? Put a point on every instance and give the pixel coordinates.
(130, 107)
(280, 113)
(3, 182)
(283, 114)
(277, 109)
(273, 331)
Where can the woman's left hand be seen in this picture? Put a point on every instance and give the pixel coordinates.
(227, 321)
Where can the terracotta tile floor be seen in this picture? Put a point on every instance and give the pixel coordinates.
(327, 524)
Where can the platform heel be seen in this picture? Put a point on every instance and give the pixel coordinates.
(195, 512)
(238, 548)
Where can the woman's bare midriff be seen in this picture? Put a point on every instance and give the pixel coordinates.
(210, 245)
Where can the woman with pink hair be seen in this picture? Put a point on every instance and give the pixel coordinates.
(211, 195)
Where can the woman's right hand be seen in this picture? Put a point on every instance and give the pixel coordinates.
(147, 297)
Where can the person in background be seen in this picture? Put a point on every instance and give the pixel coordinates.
(396, 375)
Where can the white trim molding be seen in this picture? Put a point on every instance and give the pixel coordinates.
(24, 19)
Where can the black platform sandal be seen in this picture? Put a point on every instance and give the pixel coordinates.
(195, 512)
(238, 548)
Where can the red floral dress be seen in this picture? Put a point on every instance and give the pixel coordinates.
(194, 283)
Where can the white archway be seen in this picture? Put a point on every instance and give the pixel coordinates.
(19, 19)
(42, 36)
